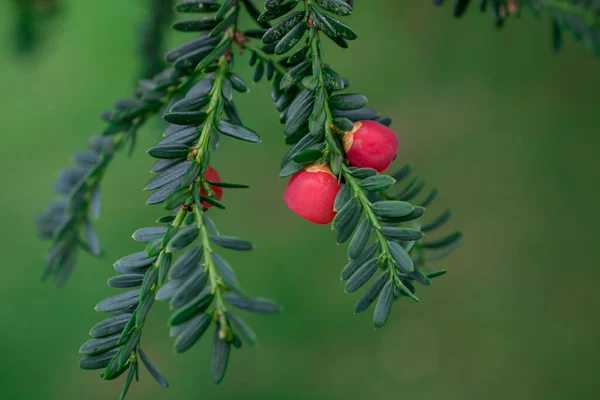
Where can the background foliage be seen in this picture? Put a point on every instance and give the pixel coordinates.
(503, 126)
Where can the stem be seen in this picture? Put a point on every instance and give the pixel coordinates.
(385, 257)
(216, 284)
(216, 94)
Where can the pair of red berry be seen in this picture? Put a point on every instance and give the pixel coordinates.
(311, 192)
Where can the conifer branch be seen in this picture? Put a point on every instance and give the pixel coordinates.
(200, 285)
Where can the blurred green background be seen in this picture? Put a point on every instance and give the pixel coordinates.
(503, 126)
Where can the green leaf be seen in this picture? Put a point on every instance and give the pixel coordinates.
(356, 115)
(149, 280)
(211, 201)
(322, 23)
(190, 46)
(153, 247)
(153, 370)
(198, 305)
(169, 175)
(405, 234)
(167, 291)
(242, 329)
(351, 101)
(135, 260)
(97, 362)
(142, 311)
(193, 331)
(218, 51)
(237, 83)
(237, 131)
(110, 326)
(291, 38)
(384, 305)
(187, 262)
(333, 81)
(276, 11)
(194, 286)
(127, 331)
(359, 241)
(232, 243)
(190, 103)
(166, 219)
(436, 274)
(294, 75)
(341, 29)
(298, 116)
(227, 22)
(316, 125)
(356, 263)
(259, 72)
(342, 198)
(447, 241)
(126, 281)
(252, 304)
(420, 277)
(97, 346)
(429, 198)
(273, 3)
(338, 7)
(401, 258)
(417, 213)
(145, 235)
(185, 118)
(220, 357)
(343, 123)
(371, 293)
(403, 172)
(113, 369)
(227, 272)
(345, 232)
(307, 156)
(280, 29)
(196, 6)
(176, 198)
(128, 380)
(169, 151)
(119, 301)
(363, 173)
(182, 238)
(362, 275)
(191, 174)
(228, 185)
(347, 213)
(377, 183)
(290, 168)
(392, 209)
(190, 60)
(195, 25)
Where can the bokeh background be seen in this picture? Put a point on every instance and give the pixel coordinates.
(503, 126)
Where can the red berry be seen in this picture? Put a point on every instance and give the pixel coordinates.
(371, 145)
(311, 194)
(212, 175)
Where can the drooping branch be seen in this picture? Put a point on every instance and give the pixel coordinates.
(200, 285)
(317, 119)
